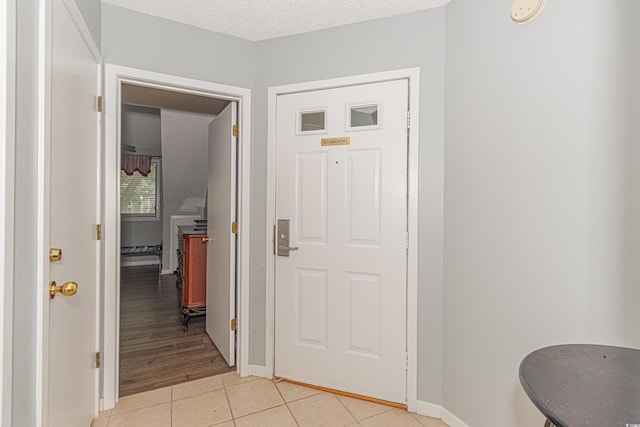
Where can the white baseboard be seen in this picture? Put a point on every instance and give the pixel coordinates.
(429, 409)
(437, 411)
(452, 420)
(138, 263)
(258, 371)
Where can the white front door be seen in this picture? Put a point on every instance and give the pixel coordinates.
(73, 185)
(221, 249)
(341, 181)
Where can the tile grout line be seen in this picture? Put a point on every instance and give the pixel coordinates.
(345, 407)
(224, 384)
(138, 409)
(286, 404)
(295, 420)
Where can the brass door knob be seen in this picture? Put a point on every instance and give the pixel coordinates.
(67, 289)
(205, 239)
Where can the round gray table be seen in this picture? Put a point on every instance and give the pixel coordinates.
(583, 385)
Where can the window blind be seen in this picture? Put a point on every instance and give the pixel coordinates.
(139, 194)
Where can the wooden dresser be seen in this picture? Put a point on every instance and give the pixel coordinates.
(192, 272)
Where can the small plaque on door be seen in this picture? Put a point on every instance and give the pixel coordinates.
(328, 142)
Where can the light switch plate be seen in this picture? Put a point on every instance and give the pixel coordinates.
(524, 11)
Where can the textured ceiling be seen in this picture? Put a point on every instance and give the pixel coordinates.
(266, 19)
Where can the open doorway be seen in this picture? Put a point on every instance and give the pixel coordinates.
(164, 138)
(183, 105)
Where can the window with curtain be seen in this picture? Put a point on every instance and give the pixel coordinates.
(139, 193)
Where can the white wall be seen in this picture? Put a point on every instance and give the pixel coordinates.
(633, 250)
(535, 195)
(150, 43)
(185, 167)
(92, 13)
(141, 128)
(413, 40)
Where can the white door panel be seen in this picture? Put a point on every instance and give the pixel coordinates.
(72, 376)
(341, 297)
(221, 249)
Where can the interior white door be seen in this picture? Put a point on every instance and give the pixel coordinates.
(341, 180)
(221, 249)
(72, 375)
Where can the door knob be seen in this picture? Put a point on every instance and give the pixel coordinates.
(205, 239)
(67, 289)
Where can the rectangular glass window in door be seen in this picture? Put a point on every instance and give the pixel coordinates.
(312, 121)
(363, 116)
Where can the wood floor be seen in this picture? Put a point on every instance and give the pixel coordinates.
(154, 350)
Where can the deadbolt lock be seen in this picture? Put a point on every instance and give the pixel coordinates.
(55, 254)
(283, 238)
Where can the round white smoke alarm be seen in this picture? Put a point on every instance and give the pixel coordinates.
(524, 11)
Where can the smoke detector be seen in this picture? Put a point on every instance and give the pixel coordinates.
(524, 11)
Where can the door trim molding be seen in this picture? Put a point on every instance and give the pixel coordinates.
(7, 201)
(114, 76)
(413, 75)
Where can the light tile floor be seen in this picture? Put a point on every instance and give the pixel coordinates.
(230, 401)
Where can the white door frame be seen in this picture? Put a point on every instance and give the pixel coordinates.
(114, 76)
(413, 75)
(7, 197)
(44, 194)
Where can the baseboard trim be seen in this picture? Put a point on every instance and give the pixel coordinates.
(452, 420)
(437, 411)
(258, 371)
(429, 409)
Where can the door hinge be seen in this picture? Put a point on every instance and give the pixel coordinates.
(97, 359)
(234, 324)
(406, 361)
(408, 119)
(234, 131)
(234, 227)
(406, 240)
(99, 104)
(98, 231)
